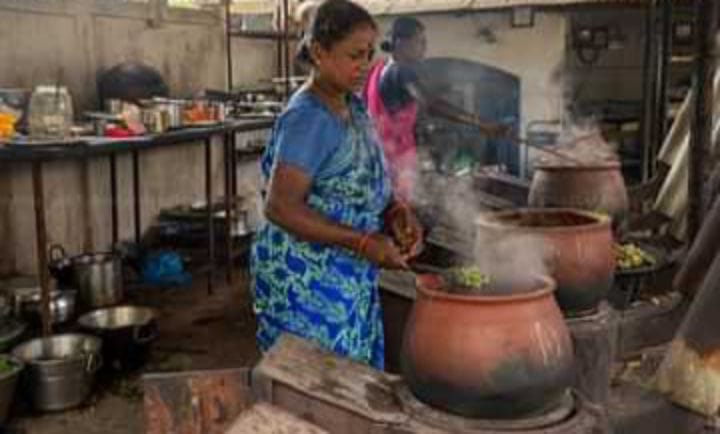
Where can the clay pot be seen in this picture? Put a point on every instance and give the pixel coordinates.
(578, 250)
(487, 356)
(598, 187)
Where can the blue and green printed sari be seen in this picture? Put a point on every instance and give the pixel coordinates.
(320, 292)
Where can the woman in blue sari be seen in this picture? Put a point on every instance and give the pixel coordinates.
(331, 220)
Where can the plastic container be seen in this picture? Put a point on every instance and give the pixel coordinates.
(50, 113)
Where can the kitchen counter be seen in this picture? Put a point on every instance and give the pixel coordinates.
(84, 147)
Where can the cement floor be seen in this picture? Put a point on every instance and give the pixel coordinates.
(201, 331)
(197, 331)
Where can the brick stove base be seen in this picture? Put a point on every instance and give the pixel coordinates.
(344, 397)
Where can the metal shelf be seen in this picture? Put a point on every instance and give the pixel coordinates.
(262, 34)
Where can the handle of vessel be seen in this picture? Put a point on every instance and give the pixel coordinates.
(145, 333)
(93, 363)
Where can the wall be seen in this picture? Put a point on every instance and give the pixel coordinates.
(533, 54)
(617, 74)
(82, 37)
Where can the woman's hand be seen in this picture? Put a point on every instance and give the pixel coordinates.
(382, 251)
(405, 229)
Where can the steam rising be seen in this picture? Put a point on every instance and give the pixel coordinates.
(512, 259)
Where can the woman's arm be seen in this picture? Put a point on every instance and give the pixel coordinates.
(437, 106)
(286, 206)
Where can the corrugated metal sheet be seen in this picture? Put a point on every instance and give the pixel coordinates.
(405, 6)
(383, 7)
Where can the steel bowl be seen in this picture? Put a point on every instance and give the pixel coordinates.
(127, 333)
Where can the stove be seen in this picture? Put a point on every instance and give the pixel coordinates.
(346, 397)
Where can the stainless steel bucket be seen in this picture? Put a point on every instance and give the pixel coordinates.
(99, 279)
(60, 370)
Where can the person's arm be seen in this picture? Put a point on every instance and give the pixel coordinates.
(286, 206)
(438, 106)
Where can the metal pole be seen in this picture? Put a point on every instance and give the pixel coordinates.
(233, 164)
(649, 77)
(136, 194)
(88, 239)
(286, 47)
(664, 54)
(229, 207)
(228, 41)
(209, 212)
(114, 199)
(41, 245)
(706, 25)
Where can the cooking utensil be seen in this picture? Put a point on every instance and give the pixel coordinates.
(99, 279)
(173, 108)
(482, 356)
(60, 370)
(127, 333)
(61, 267)
(547, 150)
(62, 305)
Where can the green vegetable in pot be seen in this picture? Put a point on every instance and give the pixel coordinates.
(6, 365)
(470, 277)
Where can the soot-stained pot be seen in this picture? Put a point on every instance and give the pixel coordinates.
(598, 187)
(578, 249)
(487, 356)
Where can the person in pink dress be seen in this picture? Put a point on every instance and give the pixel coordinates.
(393, 93)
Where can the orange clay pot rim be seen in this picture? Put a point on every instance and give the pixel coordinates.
(547, 287)
(605, 165)
(599, 221)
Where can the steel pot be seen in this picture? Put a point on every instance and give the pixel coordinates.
(62, 305)
(99, 279)
(61, 267)
(60, 370)
(127, 333)
(173, 110)
(487, 356)
(8, 384)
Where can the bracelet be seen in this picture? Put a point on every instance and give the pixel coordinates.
(362, 244)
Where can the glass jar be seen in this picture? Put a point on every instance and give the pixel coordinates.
(50, 113)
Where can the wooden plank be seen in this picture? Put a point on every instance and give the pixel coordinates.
(197, 402)
(304, 367)
(264, 418)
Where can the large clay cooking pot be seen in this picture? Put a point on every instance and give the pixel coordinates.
(578, 248)
(487, 356)
(597, 187)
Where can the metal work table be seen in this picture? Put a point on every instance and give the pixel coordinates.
(93, 147)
